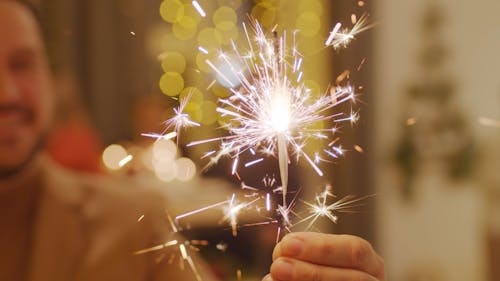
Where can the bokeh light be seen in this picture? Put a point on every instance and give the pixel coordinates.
(308, 23)
(224, 14)
(164, 150)
(186, 28)
(209, 39)
(173, 62)
(172, 11)
(313, 6)
(195, 98)
(112, 156)
(171, 84)
(265, 14)
(186, 169)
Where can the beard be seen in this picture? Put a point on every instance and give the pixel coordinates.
(10, 172)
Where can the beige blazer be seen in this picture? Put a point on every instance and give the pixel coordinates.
(88, 229)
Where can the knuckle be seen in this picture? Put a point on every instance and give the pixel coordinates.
(360, 251)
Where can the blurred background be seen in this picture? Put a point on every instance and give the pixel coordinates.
(426, 144)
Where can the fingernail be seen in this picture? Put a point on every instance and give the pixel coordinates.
(292, 247)
(282, 269)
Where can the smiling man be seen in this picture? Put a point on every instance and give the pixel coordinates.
(59, 226)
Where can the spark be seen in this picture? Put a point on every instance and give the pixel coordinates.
(271, 112)
(182, 246)
(168, 136)
(179, 121)
(199, 9)
(140, 218)
(359, 149)
(125, 160)
(232, 211)
(340, 38)
(322, 208)
(203, 50)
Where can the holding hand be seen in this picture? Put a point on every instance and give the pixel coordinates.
(309, 256)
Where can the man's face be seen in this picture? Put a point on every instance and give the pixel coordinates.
(25, 87)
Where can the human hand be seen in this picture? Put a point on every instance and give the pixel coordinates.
(309, 256)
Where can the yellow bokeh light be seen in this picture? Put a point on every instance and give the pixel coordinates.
(112, 156)
(195, 98)
(265, 14)
(172, 11)
(173, 62)
(224, 14)
(235, 4)
(190, 11)
(227, 31)
(195, 114)
(209, 39)
(308, 23)
(313, 6)
(186, 169)
(186, 28)
(171, 83)
(209, 113)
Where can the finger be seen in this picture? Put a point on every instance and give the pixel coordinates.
(267, 278)
(344, 251)
(287, 269)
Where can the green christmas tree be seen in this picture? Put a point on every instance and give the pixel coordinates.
(436, 131)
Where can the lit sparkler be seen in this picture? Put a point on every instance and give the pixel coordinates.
(271, 112)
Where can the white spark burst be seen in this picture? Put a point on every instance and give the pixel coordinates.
(179, 121)
(321, 207)
(270, 112)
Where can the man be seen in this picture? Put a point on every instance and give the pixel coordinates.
(55, 225)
